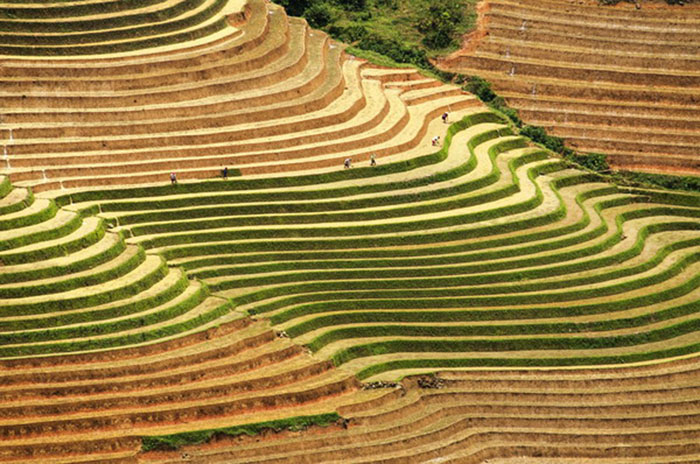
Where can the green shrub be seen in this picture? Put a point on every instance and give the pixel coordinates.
(395, 50)
(481, 88)
(352, 5)
(689, 183)
(437, 363)
(349, 34)
(440, 21)
(593, 161)
(319, 14)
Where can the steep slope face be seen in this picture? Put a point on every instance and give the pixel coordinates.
(620, 81)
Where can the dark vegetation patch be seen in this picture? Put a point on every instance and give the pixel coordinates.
(178, 440)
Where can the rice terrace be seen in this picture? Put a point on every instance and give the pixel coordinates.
(357, 231)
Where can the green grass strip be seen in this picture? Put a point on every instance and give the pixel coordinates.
(273, 211)
(36, 237)
(92, 299)
(178, 440)
(117, 341)
(411, 205)
(68, 284)
(515, 344)
(406, 226)
(92, 330)
(5, 186)
(386, 257)
(557, 261)
(526, 362)
(74, 266)
(493, 330)
(20, 205)
(281, 208)
(42, 215)
(93, 315)
(479, 297)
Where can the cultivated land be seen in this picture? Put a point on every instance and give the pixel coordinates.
(530, 311)
(620, 81)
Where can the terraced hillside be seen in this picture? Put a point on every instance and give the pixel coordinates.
(559, 310)
(587, 415)
(267, 96)
(620, 81)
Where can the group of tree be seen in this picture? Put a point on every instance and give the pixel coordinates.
(405, 30)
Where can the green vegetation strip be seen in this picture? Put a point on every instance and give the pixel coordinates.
(430, 268)
(178, 440)
(117, 341)
(42, 215)
(93, 330)
(74, 266)
(494, 330)
(411, 205)
(436, 249)
(20, 205)
(359, 230)
(285, 208)
(53, 251)
(144, 303)
(5, 186)
(39, 236)
(353, 262)
(527, 362)
(93, 299)
(277, 183)
(516, 344)
(478, 298)
(71, 283)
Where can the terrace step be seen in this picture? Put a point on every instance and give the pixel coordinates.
(197, 20)
(635, 65)
(476, 257)
(17, 199)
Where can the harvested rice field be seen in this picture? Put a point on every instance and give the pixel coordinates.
(223, 239)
